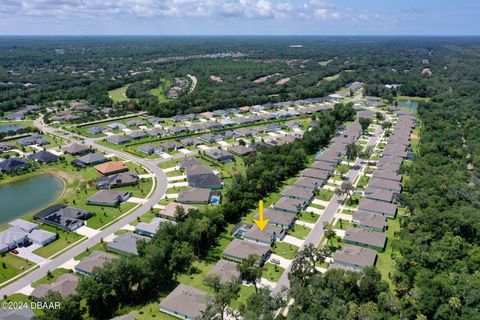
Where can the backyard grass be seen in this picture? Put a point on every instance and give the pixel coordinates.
(169, 163)
(197, 276)
(309, 217)
(324, 194)
(12, 265)
(49, 279)
(386, 260)
(64, 240)
(285, 250)
(300, 232)
(272, 272)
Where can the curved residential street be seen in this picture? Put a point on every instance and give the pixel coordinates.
(160, 185)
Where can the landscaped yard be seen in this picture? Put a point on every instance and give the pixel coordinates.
(12, 265)
(342, 224)
(285, 250)
(318, 206)
(385, 260)
(309, 217)
(300, 232)
(324, 194)
(64, 240)
(98, 247)
(169, 163)
(272, 272)
(49, 279)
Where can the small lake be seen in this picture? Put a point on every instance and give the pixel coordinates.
(23, 197)
(10, 127)
(410, 104)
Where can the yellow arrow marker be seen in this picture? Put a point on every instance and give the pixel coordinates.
(261, 224)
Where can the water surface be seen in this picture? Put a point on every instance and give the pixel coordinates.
(27, 196)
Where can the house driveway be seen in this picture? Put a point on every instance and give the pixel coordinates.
(203, 147)
(27, 253)
(284, 263)
(177, 184)
(87, 231)
(185, 151)
(314, 210)
(306, 224)
(292, 240)
(176, 178)
(136, 200)
(321, 202)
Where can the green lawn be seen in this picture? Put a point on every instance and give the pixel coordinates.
(197, 276)
(272, 272)
(52, 278)
(97, 247)
(285, 250)
(152, 311)
(18, 297)
(318, 206)
(174, 173)
(160, 91)
(353, 202)
(118, 95)
(325, 195)
(309, 217)
(64, 240)
(300, 232)
(385, 260)
(104, 215)
(169, 163)
(11, 265)
(342, 224)
(363, 181)
(147, 217)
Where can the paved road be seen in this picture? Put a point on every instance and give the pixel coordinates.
(317, 232)
(161, 186)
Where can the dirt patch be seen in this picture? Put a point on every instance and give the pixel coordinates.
(265, 78)
(216, 79)
(282, 81)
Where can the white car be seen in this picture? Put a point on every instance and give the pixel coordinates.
(275, 261)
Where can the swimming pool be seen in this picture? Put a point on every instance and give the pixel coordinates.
(319, 153)
(215, 200)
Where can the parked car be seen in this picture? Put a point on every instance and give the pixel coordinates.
(275, 261)
(14, 251)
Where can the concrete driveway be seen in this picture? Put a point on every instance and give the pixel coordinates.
(27, 253)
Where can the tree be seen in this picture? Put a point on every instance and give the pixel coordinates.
(346, 188)
(386, 125)
(379, 116)
(224, 294)
(352, 151)
(367, 153)
(242, 142)
(342, 169)
(364, 123)
(71, 308)
(180, 214)
(262, 305)
(250, 271)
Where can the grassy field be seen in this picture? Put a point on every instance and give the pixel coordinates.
(285, 250)
(309, 217)
(385, 260)
(160, 91)
(324, 62)
(118, 95)
(324, 194)
(11, 265)
(272, 272)
(300, 232)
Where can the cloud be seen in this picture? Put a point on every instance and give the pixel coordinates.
(250, 9)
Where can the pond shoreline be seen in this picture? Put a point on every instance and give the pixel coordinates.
(54, 172)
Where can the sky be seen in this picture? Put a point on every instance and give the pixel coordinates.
(239, 17)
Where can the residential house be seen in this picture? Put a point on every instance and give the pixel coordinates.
(116, 126)
(189, 162)
(76, 149)
(96, 259)
(65, 285)
(387, 175)
(362, 237)
(95, 130)
(41, 237)
(12, 238)
(266, 237)
(384, 184)
(370, 221)
(315, 174)
(354, 258)
(43, 157)
(89, 160)
(150, 148)
(6, 146)
(308, 183)
(170, 209)
(109, 198)
(195, 195)
(278, 218)
(111, 167)
(219, 155)
(185, 302)
(241, 150)
(157, 132)
(118, 139)
(208, 181)
(63, 217)
(137, 134)
(34, 139)
(13, 164)
(289, 205)
(379, 194)
(378, 207)
(171, 145)
(238, 250)
(126, 244)
(298, 193)
(225, 270)
(26, 226)
(117, 180)
(149, 229)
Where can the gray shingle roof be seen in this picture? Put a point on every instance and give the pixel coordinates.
(186, 301)
(357, 256)
(375, 239)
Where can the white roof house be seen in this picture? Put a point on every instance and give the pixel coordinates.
(42, 237)
(24, 225)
